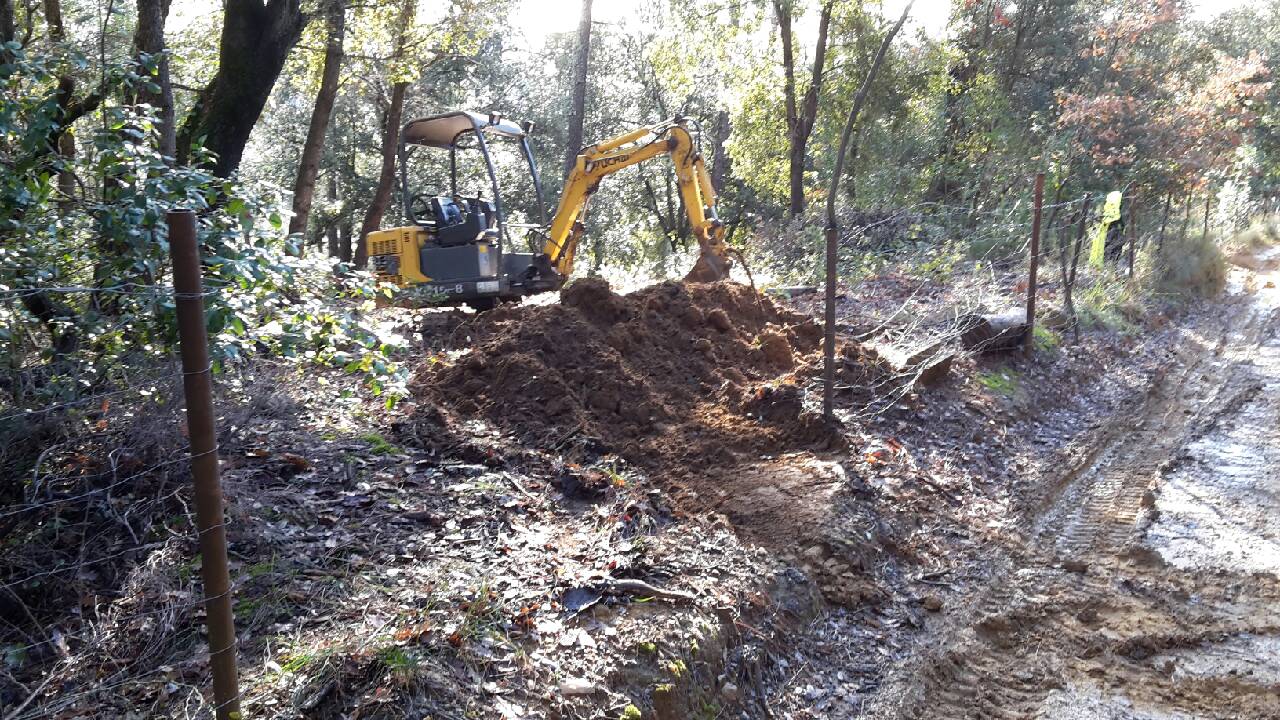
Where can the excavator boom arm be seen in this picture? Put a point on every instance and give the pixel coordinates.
(632, 148)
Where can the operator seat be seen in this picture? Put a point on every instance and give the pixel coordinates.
(446, 211)
(454, 229)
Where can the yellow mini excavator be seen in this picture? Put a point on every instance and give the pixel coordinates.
(458, 249)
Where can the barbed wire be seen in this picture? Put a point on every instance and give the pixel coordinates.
(138, 289)
(31, 507)
(70, 699)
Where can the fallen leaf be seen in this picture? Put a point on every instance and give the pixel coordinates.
(296, 460)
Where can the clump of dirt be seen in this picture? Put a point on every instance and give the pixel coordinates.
(675, 378)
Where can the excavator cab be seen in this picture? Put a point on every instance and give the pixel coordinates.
(458, 248)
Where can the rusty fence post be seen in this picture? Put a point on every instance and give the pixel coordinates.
(1133, 229)
(1029, 341)
(832, 238)
(197, 385)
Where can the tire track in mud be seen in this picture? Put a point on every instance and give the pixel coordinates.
(1089, 624)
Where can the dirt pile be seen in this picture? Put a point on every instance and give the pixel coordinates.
(674, 377)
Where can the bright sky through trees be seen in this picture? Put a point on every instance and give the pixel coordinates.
(540, 18)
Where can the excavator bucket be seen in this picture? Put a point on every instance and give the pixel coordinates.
(710, 267)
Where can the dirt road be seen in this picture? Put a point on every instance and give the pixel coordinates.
(1149, 587)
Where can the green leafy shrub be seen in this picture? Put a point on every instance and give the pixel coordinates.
(85, 302)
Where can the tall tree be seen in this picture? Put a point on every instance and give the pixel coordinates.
(802, 113)
(6, 21)
(390, 137)
(304, 186)
(66, 144)
(148, 39)
(720, 158)
(577, 112)
(257, 36)
(832, 230)
(974, 32)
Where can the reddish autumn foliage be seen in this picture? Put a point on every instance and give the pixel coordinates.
(1148, 118)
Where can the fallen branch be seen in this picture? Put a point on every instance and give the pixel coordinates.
(39, 689)
(640, 587)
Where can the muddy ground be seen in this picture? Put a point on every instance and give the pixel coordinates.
(1146, 587)
(628, 507)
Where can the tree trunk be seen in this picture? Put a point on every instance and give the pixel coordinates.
(6, 21)
(577, 112)
(63, 141)
(344, 240)
(944, 186)
(801, 113)
(832, 230)
(1186, 216)
(66, 180)
(719, 157)
(597, 255)
(148, 37)
(390, 140)
(1208, 210)
(1069, 273)
(256, 39)
(851, 175)
(58, 320)
(386, 178)
(1164, 222)
(994, 333)
(331, 238)
(331, 232)
(304, 186)
(668, 232)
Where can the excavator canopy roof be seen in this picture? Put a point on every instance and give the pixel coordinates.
(445, 130)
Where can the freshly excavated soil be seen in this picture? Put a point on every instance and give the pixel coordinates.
(678, 379)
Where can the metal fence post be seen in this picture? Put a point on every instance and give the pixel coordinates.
(1029, 341)
(1133, 229)
(832, 240)
(198, 388)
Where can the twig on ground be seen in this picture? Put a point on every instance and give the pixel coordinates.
(640, 587)
(31, 696)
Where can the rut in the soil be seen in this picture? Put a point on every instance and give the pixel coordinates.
(1093, 622)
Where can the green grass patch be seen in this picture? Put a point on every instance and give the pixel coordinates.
(1110, 303)
(297, 662)
(396, 659)
(257, 570)
(378, 445)
(1001, 382)
(1045, 340)
(245, 609)
(942, 262)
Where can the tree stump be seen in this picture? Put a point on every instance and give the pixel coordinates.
(993, 333)
(927, 364)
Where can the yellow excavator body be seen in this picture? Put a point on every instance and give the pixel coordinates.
(458, 250)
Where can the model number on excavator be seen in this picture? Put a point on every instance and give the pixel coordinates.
(443, 289)
(607, 162)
